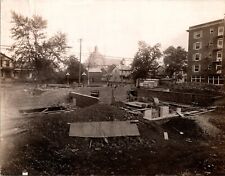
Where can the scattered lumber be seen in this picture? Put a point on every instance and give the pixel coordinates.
(131, 111)
(137, 104)
(11, 132)
(175, 104)
(180, 114)
(47, 112)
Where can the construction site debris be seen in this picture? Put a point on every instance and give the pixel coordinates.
(180, 132)
(155, 101)
(148, 114)
(137, 104)
(95, 93)
(11, 132)
(42, 109)
(24, 173)
(131, 111)
(175, 104)
(166, 137)
(164, 111)
(83, 100)
(188, 140)
(45, 110)
(180, 114)
(134, 121)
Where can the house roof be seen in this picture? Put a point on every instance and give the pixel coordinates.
(2, 54)
(95, 70)
(112, 61)
(124, 67)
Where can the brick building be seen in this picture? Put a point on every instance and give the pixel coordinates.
(206, 53)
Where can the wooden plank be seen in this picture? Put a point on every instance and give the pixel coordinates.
(180, 114)
(11, 132)
(103, 129)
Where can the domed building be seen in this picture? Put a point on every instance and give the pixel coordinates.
(95, 59)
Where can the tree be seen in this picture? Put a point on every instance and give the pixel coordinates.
(145, 61)
(175, 61)
(73, 68)
(33, 50)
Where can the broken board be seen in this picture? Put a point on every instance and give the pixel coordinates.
(136, 104)
(103, 129)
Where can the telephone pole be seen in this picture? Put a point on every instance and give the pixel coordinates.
(80, 62)
(0, 24)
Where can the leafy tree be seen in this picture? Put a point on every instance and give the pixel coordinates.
(175, 61)
(33, 50)
(145, 60)
(73, 68)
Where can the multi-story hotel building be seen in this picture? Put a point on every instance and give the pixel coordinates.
(206, 53)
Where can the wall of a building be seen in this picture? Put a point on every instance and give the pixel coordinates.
(205, 51)
(95, 77)
(6, 68)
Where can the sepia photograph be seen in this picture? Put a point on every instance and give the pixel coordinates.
(112, 87)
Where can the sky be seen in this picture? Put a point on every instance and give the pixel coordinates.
(115, 26)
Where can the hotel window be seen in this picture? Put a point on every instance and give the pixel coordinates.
(209, 67)
(211, 30)
(215, 80)
(197, 79)
(220, 30)
(196, 68)
(197, 45)
(197, 57)
(220, 43)
(210, 55)
(210, 43)
(219, 56)
(197, 34)
(218, 69)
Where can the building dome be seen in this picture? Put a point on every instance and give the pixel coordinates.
(95, 59)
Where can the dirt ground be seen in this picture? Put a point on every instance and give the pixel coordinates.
(45, 148)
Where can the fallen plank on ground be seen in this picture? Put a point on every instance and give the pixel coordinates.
(103, 129)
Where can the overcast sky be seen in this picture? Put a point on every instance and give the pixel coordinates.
(115, 26)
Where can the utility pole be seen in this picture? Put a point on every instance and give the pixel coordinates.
(80, 62)
(0, 24)
(222, 62)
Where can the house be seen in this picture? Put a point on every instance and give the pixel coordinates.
(101, 69)
(160, 72)
(121, 73)
(6, 67)
(9, 69)
(23, 73)
(206, 53)
(95, 75)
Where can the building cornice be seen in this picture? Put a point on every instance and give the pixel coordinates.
(204, 25)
